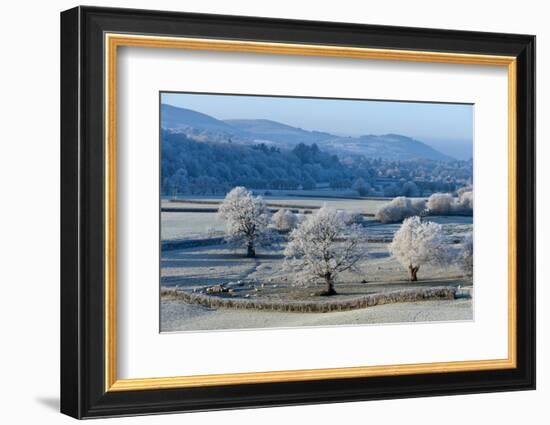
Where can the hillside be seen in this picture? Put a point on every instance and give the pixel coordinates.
(213, 167)
(202, 127)
(388, 146)
(180, 118)
(277, 132)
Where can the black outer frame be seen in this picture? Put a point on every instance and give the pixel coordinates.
(82, 218)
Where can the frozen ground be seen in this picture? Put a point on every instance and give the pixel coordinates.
(264, 278)
(369, 206)
(190, 225)
(211, 265)
(179, 316)
(456, 226)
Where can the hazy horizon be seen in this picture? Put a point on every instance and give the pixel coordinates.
(446, 127)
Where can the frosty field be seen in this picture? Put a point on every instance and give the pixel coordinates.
(186, 225)
(263, 279)
(194, 223)
(369, 206)
(178, 316)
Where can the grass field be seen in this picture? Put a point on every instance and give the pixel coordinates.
(264, 278)
(197, 224)
(181, 317)
(351, 205)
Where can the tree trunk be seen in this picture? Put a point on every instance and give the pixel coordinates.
(330, 285)
(250, 251)
(412, 273)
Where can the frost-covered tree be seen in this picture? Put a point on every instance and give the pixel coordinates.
(417, 243)
(361, 186)
(410, 189)
(400, 208)
(325, 245)
(466, 201)
(466, 256)
(178, 182)
(205, 185)
(353, 218)
(392, 190)
(246, 220)
(284, 220)
(445, 204)
(464, 189)
(441, 203)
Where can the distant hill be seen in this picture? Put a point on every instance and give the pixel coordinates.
(458, 148)
(203, 127)
(278, 132)
(388, 146)
(178, 118)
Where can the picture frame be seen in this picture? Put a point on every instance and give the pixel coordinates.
(90, 40)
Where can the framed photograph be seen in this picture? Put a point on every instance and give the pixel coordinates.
(261, 212)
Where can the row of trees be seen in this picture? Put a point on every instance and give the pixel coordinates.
(446, 204)
(428, 175)
(330, 242)
(189, 166)
(212, 167)
(437, 204)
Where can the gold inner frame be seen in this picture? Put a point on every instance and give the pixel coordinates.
(113, 41)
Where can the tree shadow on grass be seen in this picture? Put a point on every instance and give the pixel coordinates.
(215, 259)
(270, 256)
(378, 255)
(422, 283)
(207, 261)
